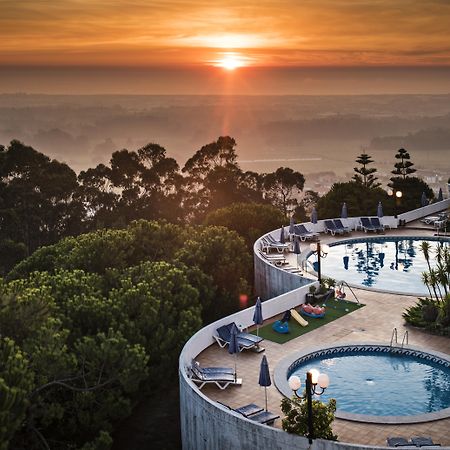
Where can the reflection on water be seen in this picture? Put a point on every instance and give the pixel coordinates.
(394, 265)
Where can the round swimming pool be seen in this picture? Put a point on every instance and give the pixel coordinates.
(387, 263)
(376, 383)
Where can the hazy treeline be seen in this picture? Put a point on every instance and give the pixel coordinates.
(43, 200)
(83, 131)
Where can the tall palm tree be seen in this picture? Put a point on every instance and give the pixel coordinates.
(426, 282)
(439, 253)
(425, 247)
(443, 276)
(435, 283)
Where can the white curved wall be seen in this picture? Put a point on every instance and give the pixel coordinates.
(425, 211)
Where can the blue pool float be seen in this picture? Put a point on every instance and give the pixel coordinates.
(316, 316)
(280, 327)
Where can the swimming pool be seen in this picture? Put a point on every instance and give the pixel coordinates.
(387, 263)
(376, 383)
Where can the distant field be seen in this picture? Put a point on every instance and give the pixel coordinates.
(308, 133)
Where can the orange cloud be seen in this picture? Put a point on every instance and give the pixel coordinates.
(264, 32)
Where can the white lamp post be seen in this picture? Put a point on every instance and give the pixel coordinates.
(313, 379)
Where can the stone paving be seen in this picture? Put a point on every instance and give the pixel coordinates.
(373, 323)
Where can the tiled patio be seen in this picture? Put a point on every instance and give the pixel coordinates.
(373, 323)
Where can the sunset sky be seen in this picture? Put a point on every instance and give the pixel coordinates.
(44, 39)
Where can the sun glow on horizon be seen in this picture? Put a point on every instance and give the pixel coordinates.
(231, 61)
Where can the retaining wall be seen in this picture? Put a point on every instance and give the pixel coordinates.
(425, 211)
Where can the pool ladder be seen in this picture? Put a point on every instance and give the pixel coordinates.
(394, 338)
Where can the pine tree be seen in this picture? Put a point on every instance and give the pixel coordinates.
(364, 175)
(403, 168)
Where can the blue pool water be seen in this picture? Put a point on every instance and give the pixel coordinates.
(386, 263)
(382, 384)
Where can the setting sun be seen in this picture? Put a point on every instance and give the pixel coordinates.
(231, 61)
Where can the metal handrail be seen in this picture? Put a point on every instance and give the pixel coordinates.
(394, 335)
(405, 337)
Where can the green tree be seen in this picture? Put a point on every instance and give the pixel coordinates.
(96, 193)
(282, 189)
(365, 175)
(403, 168)
(213, 180)
(37, 198)
(361, 200)
(219, 253)
(296, 417)
(11, 253)
(250, 220)
(138, 184)
(94, 338)
(212, 258)
(412, 189)
(16, 383)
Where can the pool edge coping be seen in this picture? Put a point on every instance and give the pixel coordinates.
(282, 386)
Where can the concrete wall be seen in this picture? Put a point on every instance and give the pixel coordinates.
(207, 425)
(425, 211)
(271, 281)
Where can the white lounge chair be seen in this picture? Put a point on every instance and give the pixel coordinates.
(201, 376)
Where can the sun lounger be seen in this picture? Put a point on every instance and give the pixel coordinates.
(340, 226)
(196, 366)
(431, 220)
(303, 233)
(246, 341)
(221, 380)
(277, 260)
(248, 410)
(366, 225)
(264, 417)
(330, 227)
(243, 335)
(268, 245)
(420, 441)
(222, 377)
(255, 413)
(375, 222)
(273, 243)
(398, 442)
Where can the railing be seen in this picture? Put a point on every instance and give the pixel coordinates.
(394, 337)
(405, 337)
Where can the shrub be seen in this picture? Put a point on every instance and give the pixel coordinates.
(296, 420)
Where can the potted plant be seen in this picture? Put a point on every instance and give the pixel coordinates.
(317, 296)
(309, 298)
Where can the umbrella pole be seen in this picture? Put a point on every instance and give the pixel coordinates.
(235, 366)
(265, 391)
(257, 330)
